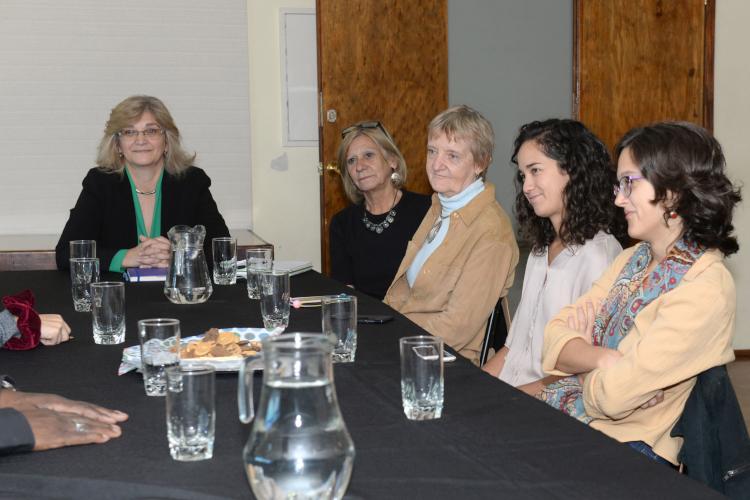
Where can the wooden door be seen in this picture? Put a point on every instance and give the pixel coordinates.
(640, 61)
(384, 60)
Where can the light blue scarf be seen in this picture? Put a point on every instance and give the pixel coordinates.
(448, 206)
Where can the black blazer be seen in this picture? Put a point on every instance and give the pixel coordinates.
(105, 212)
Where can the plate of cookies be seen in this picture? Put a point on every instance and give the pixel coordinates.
(222, 348)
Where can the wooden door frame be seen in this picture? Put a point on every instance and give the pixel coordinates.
(709, 37)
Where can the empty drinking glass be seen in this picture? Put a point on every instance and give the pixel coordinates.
(225, 260)
(274, 299)
(160, 350)
(82, 249)
(108, 312)
(339, 322)
(422, 377)
(83, 272)
(257, 260)
(191, 412)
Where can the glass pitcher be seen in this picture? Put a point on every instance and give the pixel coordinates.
(188, 281)
(299, 446)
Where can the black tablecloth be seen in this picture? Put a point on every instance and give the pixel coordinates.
(492, 441)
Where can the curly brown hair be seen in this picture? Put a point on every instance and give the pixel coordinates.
(588, 198)
(685, 161)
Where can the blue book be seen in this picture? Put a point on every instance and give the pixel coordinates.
(137, 274)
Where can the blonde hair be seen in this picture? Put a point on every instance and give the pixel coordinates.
(109, 158)
(463, 122)
(385, 144)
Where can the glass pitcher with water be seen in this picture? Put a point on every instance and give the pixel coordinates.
(188, 281)
(299, 446)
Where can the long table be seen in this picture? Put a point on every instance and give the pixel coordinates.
(492, 441)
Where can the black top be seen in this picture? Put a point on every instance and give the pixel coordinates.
(105, 212)
(493, 441)
(369, 260)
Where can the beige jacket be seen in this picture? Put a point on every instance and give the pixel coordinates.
(464, 277)
(677, 336)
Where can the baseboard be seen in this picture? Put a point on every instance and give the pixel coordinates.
(742, 354)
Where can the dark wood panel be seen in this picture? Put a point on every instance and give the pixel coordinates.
(383, 60)
(639, 61)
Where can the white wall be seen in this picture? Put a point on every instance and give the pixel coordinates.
(64, 64)
(731, 115)
(285, 184)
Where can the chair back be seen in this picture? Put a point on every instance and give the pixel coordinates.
(716, 447)
(498, 325)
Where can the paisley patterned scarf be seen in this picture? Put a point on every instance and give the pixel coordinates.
(631, 292)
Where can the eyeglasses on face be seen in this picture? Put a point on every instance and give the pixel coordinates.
(365, 125)
(131, 134)
(625, 184)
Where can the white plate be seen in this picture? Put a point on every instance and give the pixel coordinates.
(132, 355)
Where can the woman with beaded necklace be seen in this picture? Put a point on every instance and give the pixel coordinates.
(368, 239)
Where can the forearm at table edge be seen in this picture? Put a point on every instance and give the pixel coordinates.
(688, 336)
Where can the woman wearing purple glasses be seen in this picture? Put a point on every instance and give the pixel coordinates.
(664, 310)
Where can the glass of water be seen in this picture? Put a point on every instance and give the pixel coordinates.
(274, 299)
(225, 260)
(422, 377)
(191, 412)
(82, 248)
(160, 350)
(83, 272)
(339, 318)
(257, 260)
(108, 312)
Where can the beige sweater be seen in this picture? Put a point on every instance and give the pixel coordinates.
(677, 336)
(460, 283)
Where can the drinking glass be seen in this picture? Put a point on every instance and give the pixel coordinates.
(225, 260)
(160, 350)
(83, 272)
(422, 377)
(274, 299)
(257, 259)
(82, 249)
(191, 412)
(339, 318)
(108, 312)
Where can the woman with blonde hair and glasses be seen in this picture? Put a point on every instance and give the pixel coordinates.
(143, 185)
(463, 256)
(368, 239)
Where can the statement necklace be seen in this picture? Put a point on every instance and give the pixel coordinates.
(145, 193)
(436, 227)
(385, 223)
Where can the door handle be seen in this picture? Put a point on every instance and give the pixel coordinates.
(332, 167)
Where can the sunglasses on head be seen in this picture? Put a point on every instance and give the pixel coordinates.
(365, 125)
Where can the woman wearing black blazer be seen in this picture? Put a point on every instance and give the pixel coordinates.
(143, 186)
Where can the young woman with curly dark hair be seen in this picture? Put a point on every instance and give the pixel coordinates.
(664, 310)
(565, 209)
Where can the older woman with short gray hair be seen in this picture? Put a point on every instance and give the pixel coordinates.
(463, 257)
